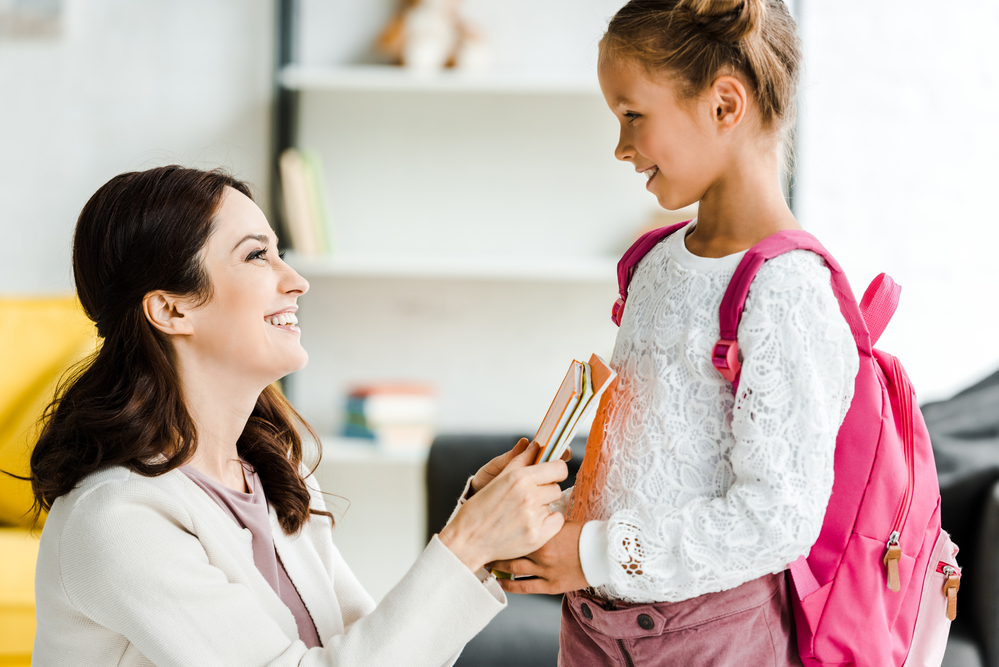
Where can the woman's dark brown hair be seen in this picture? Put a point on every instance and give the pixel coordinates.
(140, 232)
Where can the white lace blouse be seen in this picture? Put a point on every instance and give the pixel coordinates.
(704, 491)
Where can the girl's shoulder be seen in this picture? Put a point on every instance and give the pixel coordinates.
(797, 268)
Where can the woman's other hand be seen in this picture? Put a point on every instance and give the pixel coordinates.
(509, 517)
(489, 472)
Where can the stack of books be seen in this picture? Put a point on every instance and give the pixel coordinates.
(393, 416)
(578, 395)
(303, 194)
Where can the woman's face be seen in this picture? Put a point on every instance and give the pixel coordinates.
(248, 327)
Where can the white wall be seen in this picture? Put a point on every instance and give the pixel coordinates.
(897, 170)
(128, 85)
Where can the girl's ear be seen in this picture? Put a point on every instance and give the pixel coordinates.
(729, 100)
(166, 312)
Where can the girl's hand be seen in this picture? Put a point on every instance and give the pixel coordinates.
(510, 517)
(488, 472)
(556, 565)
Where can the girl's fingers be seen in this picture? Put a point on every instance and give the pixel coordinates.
(518, 567)
(567, 454)
(526, 586)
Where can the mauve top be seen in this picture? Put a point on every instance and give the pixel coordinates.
(249, 510)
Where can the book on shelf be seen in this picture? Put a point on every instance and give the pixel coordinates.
(396, 416)
(304, 202)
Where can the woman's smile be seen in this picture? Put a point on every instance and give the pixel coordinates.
(285, 320)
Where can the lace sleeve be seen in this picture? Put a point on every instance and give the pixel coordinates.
(797, 382)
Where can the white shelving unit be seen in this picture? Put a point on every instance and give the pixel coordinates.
(395, 79)
(597, 270)
(477, 220)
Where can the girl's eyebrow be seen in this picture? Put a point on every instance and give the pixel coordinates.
(263, 238)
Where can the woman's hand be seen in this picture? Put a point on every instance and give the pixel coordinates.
(488, 472)
(510, 516)
(556, 565)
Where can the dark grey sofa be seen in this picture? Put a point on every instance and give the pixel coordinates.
(965, 435)
(524, 634)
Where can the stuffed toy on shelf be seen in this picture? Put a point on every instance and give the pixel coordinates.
(429, 35)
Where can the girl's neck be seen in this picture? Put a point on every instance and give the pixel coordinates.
(741, 208)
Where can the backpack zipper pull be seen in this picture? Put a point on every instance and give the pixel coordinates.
(893, 555)
(950, 589)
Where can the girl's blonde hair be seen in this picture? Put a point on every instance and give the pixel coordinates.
(696, 40)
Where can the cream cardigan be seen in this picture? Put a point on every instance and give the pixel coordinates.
(139, 571)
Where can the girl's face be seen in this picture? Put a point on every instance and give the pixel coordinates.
(668, 138)
(248, 328)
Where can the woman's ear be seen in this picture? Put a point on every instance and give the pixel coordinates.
(166, 312)
(729, 100)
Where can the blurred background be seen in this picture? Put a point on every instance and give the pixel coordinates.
(460, 228)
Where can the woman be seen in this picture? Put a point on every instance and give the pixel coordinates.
(182, 528)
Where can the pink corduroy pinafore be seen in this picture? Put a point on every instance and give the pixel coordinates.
(748, 626)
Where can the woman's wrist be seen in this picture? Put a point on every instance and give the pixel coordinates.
(452, 538)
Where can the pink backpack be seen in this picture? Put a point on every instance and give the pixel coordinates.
(879, 586)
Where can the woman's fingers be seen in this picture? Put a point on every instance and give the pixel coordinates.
(491, 470)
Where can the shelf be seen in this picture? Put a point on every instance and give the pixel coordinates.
(337, 449)
(387, 78)
(518, 269)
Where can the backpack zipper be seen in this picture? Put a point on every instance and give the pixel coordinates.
(893, 550)
(627, 656)
(951, 587)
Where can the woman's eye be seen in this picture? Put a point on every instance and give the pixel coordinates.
(256, 254)
(282, 254)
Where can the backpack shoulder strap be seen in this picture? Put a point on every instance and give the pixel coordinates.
(726, 352)
(634, 254)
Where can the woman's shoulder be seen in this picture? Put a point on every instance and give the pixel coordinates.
(116, 494)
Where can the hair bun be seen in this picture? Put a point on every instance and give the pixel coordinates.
(726, 20)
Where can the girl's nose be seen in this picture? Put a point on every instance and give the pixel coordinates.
(624, 150)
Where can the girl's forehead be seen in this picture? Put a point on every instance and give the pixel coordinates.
(626, 81)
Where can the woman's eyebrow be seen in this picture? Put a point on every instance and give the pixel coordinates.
(263, 238)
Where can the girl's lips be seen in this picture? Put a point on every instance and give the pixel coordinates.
(650, 174)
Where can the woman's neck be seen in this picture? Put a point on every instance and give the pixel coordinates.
(743, 207)
(220, 403)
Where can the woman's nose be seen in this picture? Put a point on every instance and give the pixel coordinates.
(293, 282)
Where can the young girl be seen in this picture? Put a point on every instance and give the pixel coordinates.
(686, 514)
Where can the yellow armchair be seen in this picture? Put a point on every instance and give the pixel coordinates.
(39, 340)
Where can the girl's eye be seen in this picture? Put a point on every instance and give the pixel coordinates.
(631, 116)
